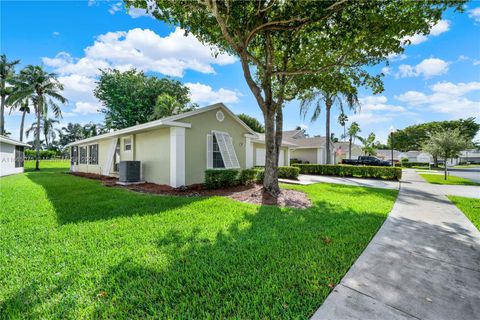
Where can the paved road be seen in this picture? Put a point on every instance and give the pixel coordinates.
(467, 173)
(424, 263)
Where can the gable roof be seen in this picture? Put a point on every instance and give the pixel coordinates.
(344, 145)
(171, 121)
(13, 142)
(294, 134)
(285, 143)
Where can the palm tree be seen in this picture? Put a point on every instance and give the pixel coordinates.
(342, 120)
(7, 70)
(24, 107)
(46, 126)
(72, 132)
(329, 98)
(44, 90)
(166, 106)
(368, 144)
(353, 131)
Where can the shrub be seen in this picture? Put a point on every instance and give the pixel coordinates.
(284, 172)
(386, 173)
(44, 154)
(220, 178)
(288, 172)
(247, 176)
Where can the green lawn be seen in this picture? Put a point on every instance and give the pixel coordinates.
(470, 207)
(72, 248)
(439, 179)
(467, 166)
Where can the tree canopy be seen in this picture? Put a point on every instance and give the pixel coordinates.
(129, 97)
(414, 137)
(286, 47)
(252, 122)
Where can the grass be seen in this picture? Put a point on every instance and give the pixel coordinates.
(470, 207)
(73, 248)
(439, 179)
(467, 166)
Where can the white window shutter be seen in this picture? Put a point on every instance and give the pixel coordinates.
(209, 151)
(227, 150)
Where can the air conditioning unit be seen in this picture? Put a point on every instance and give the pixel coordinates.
(129, 171)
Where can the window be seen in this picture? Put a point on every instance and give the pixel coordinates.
(217, 155)
(93, 154)
(220, 151)
(19, 157)
(127, 144)
(83, 155)
(74, 155)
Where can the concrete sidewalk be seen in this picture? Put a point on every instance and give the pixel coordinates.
(305, 179)
(424, 263)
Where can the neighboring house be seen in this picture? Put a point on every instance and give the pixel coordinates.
(472, 156)
(342, 151)
(386, 155)
(308, 149)
(419, 156)
(11, 156)
(175, 150)
(259, 151)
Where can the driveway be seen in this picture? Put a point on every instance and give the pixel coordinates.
(467, 173)
(306, 179)
(424, 263)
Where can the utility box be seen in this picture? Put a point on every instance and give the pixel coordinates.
(129, 171)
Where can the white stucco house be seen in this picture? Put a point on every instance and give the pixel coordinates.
(11, 156)
(342, 151)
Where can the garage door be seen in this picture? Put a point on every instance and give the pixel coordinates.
(260, 157)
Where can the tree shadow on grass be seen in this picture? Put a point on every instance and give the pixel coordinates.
(77, 199)
(276, 263)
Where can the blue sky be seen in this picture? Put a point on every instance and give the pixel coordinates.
(437, 78)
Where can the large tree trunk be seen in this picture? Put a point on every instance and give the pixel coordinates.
(328, 107)
(37, 135)
(2, 112)
(270, 180)
(21, 125)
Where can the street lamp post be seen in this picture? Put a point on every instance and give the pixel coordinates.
(392, 130)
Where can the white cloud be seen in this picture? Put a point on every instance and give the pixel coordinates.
(437, 29)
(378, 103)
(365, 118)
(476, 62)
(475, 14)
(86, 108)
(397, 57)
(143, 49)
(204, 94)
(56, 33)
(114, 8)
(446, 97)
(386, 70)
(427, 68)
(138, 12)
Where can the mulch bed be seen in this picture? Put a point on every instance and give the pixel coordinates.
(250, 194)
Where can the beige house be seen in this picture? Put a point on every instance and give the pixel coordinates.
(176, 150)
(342, 151)
(308, 149)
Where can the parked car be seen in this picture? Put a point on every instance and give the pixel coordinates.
(366, 161)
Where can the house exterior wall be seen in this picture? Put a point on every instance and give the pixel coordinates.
(259, 151)
(196, 142)
(356, 152)
(152, 149)
(7, 160)
(103, 146)
(310, 155)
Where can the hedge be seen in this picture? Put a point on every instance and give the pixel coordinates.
(220, 178)
(385, 173)
(247, 177)
(284, 172)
